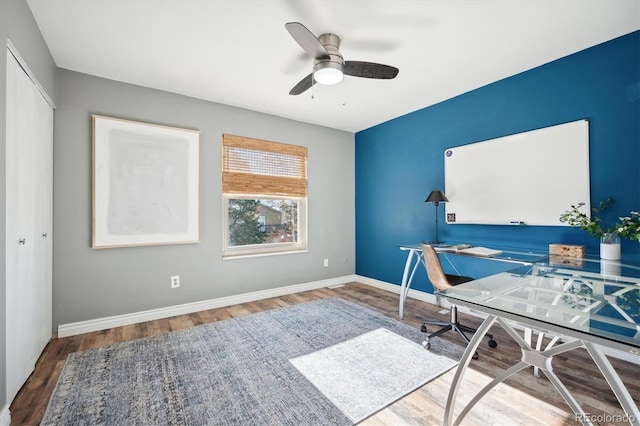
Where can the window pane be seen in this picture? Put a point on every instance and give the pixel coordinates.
(262, 221)
(264, 162)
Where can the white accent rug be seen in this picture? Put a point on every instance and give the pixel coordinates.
(379, 364)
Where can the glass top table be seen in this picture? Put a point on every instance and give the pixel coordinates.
(587, 302)
(517, 256)
(604, 303)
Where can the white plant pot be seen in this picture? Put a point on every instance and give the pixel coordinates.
(610, 251)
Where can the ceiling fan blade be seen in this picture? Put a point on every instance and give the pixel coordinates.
(307, 40)
(369, 70)
(303, 85)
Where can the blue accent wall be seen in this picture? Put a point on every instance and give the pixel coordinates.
(400, 161)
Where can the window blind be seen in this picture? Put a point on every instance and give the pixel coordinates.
(259, 167)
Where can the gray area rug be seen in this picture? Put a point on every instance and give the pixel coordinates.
(241, 371)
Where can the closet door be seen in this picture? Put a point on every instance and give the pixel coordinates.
(29, 132)
(43, 226)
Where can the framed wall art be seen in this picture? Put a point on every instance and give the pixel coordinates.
(146, 184)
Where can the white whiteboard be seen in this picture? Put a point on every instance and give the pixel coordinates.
(528, 178)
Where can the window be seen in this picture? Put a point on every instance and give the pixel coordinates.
(264, 189)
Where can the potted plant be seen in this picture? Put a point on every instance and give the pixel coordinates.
(627, 227)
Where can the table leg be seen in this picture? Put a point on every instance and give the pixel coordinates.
(462, 367)
(542, 360)
(618, 388)
(406, 279)
(530, 357)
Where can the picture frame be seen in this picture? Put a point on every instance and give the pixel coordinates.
(145, 184)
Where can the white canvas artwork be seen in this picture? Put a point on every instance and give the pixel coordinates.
(145, 184)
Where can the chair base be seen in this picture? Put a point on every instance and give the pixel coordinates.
(454, 325)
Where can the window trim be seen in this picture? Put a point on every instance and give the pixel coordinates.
(283, 179)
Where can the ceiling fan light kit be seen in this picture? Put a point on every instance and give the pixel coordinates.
(328, 73)
(329, 67)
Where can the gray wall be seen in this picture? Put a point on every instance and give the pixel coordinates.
(18, 25)
(91, 284)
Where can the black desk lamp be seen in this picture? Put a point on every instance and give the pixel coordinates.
(436, 197)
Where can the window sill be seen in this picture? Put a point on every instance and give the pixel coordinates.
(245, 256)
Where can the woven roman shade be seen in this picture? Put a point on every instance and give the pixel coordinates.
(259, 167)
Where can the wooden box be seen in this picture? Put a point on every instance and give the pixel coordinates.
(566, 250)
(566, 254)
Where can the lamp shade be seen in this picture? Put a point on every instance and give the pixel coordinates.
(436, 197)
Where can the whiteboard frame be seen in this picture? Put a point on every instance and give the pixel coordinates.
(527, 178)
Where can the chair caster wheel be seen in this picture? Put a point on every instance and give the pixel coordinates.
(493, 343)
(423, 328)
(475, 355)
(426, 344)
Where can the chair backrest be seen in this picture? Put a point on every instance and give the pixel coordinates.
(434, 268)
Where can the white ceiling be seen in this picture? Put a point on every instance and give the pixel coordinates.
(239, 53)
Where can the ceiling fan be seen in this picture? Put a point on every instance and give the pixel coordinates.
(328, 65)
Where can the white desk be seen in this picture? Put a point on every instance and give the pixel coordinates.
(588, 304)
(415, 258)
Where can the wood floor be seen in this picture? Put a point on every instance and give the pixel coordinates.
(524, 399)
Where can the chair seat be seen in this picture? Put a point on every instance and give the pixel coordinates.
(457, 279)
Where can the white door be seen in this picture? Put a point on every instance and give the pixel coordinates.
(29, 132)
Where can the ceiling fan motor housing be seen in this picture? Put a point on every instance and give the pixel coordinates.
(329, 70)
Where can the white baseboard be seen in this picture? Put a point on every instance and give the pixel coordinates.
(414, 294)
(394, 288)
(5, 416)
(72, 329)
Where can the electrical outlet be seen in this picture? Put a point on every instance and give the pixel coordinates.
(175, 281)
(326, 263)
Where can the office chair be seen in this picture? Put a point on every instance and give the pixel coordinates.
(442, 281)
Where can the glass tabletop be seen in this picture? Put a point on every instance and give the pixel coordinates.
(594, 297)
(495, 252)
